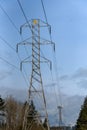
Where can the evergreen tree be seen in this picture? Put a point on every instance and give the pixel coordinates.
(82, 120)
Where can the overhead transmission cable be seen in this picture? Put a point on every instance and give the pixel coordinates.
(17, 31)
(44, 11)
(8, 61)
(11, 21)
(7, 43)
(49, 29)
(9, 18)
(55, 61)
(14, 67)
(24, 15)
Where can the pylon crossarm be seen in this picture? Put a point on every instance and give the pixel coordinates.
(44, 41)
(25, 42)
(25, 25)
(25, 61)
(35, 21)
(44, 24)
(46, 61)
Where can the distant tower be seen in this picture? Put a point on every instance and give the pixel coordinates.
(60, 116)
(36, 84)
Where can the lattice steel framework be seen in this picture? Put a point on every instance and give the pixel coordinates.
(36, 84)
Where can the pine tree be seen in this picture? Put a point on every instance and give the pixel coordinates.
(82, 120)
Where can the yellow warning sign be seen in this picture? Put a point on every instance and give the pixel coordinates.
(35, 21)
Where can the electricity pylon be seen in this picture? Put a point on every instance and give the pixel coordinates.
(60, 115)
(2, 112)
(61, 124)
(36, 83)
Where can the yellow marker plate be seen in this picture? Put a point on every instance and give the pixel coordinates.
(35, 21)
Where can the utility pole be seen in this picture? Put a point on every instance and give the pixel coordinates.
(36, 83)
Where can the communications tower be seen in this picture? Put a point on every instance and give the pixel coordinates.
(36, 83)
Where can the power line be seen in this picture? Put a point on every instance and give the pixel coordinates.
(57, 78)
(24, 15)
(7, 43)
(17, 31)
(49, 29)
(14, 27)
(25, 79)
(14, 67)
(9, 63)
(55, 61)
(9, 18)
(44, 11)
(12, 23)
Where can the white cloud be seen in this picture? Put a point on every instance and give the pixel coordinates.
(74, 84)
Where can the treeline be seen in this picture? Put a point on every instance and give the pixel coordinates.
(82, 119)
(14, 114)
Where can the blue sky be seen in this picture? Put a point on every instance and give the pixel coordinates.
(68, 19)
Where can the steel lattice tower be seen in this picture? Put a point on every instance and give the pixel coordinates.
(36, 84)
(60, 116)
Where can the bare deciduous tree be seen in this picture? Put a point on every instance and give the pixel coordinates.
(14, 111)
